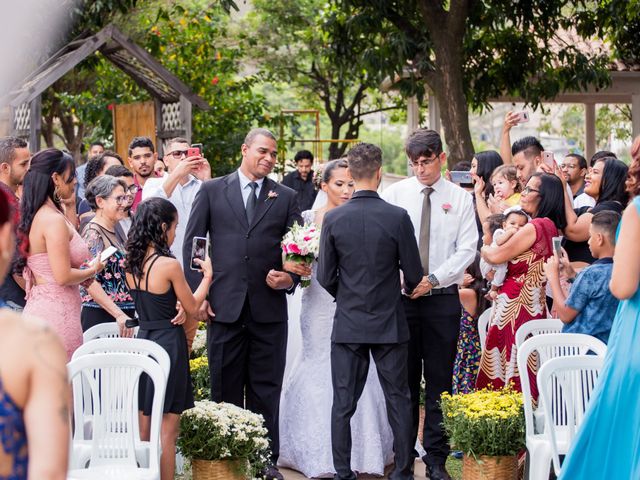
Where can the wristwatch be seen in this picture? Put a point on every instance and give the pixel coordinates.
(431, 278)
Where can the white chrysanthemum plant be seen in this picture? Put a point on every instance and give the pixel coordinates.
(222, 431)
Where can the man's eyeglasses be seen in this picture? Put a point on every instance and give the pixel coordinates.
(424, 163)
(528, 190)
(178, 154)
(133, 189)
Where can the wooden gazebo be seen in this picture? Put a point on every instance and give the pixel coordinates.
(173, 99)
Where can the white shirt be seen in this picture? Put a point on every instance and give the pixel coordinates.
(453, 233)
(584, 200)
(182, 198)
(246, 189)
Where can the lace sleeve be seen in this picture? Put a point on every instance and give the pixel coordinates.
(94, 240)
(308, 216)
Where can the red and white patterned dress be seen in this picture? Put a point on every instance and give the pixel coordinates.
(521, 298)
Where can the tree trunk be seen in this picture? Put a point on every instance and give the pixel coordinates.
(446, 29)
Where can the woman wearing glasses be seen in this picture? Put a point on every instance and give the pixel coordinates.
(107, 299)
(96, 167)
(522, 295)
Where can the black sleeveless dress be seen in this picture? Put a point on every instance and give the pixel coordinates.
(156, 310)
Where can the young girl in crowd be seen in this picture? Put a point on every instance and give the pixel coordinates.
(510, 222)
(465, 368)
(505, 185)
(156, 283)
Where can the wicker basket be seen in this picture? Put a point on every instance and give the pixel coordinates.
(216, 470)
(489, 468)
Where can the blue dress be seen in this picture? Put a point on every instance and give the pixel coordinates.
(608, 442)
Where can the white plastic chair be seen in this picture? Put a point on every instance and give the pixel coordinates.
(547, 346)
(537, 327)
(103, 330)
(565, 386)
(483, 326)
(81, 443)
(113, 379)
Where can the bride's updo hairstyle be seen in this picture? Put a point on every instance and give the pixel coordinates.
(329, 168)
(153, 219)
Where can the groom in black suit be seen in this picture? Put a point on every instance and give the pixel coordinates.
(364, 244)
(246, 215)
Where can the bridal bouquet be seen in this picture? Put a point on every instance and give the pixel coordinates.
(301, 244)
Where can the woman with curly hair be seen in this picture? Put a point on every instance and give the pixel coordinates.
(607, 443)
(156, 283)
(51, 250)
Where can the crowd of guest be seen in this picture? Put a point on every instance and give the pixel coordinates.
(483, 245)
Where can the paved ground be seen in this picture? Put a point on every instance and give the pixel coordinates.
(293, 475)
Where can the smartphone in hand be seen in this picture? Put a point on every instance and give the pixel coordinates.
(461, 177)
(193, 152)
(548, 159)
(198, 250)
(523, 117)
(107, 252)
(557, 246)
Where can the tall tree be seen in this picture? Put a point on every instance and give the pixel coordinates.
(306, 44)
(469, 51)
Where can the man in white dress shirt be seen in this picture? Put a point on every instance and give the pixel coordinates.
(444, 221)
(186, 174)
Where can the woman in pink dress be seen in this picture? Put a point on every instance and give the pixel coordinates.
(51, 251)
(521, 297)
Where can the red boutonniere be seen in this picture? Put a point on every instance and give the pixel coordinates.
(446, 207)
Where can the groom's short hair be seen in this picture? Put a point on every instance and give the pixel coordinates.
(365, 159)
(423, 143)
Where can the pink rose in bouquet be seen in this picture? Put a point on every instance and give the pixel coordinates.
(301, 244)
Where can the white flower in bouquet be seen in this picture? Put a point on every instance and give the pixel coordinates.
(302, 244)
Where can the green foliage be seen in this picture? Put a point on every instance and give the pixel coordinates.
(610, 119)
(306, 45)
(485, 422)
(219, 431)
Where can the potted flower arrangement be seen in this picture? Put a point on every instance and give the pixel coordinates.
(223, 441)
(488, 426)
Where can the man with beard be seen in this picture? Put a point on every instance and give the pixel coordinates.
(14, 164)
(142, 158)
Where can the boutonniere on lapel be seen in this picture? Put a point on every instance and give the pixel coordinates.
(446, 207)
(271, 195)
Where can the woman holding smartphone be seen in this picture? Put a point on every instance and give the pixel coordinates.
(156, 282)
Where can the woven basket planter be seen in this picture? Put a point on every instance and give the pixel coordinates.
(489, 468)
(216, 470)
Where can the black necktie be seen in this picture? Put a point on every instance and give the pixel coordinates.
(252, 201)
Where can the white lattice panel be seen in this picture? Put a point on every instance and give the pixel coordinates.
(22, 117)
(171, 118)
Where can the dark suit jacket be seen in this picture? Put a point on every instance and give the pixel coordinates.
(241, 254)
(306, 189)
(363, 245)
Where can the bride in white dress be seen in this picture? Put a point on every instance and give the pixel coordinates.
(307, 394)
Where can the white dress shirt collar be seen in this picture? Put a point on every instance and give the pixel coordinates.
(438, 186)
(244, 181)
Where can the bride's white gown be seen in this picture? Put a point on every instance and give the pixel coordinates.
(307, 395)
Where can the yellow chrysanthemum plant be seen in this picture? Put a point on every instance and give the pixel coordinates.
(222, 431)
(199, 368)
(485, 422)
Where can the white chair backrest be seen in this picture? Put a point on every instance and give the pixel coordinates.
(113, 379)
(103, 330)
(547, 346)
(138, 346)
(483, 326)
(537, 327)
(566, 385)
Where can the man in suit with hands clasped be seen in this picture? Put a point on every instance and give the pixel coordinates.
(246, 215)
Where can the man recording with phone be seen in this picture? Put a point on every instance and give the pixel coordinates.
(187, 170)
